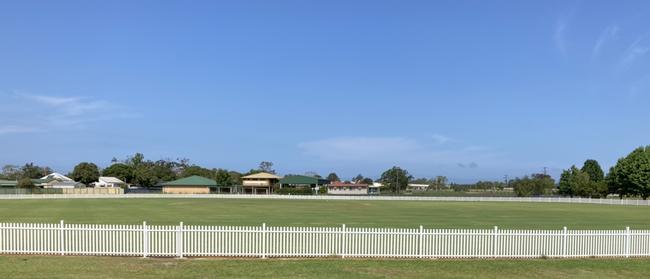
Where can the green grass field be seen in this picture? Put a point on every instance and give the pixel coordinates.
(322, 213)
(328, 213)
(101, 267)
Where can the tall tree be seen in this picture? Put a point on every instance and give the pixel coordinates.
(25, 183)
(266, 167)
(12, 172)
(439, 182)
(631, 174)
(223, 178)
(333, 177)
(593, 169)
(30, 170)
(396, 179)
(534, 185)
(122, 171)
(85, 173)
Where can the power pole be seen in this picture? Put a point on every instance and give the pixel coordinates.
(545, 170)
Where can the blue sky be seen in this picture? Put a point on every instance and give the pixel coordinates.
(467, 89)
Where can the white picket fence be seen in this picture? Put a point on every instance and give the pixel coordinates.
(262, 241)
(326, 197)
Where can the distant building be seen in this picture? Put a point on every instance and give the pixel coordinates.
(303, 181)
(341, 188)
(65, 185)
(417, 187)
(375, 188)
(56, 176)
(259, 183)
(189, 185)
(109, 182)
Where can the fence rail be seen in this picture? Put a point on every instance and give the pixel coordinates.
(325, 197)
(264, 241)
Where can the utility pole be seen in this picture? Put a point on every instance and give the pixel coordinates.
(545, 170)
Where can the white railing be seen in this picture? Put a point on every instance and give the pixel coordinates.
(327, 197)
(262, 241)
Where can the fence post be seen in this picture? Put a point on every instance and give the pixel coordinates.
(343, 241)
(494, 241)
(420, 238)
(179, 240)
(564, 242)
(263, 240)
(61, 238)
(145, 240)
(627, 242)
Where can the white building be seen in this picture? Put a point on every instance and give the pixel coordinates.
(340, 188)
(417, 187)
(66, 185)
(56, 176)
(109, 182)
(375, 188)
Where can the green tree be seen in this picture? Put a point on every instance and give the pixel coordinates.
(266, 167)
(25, 183)
(85, 173)
(439, 182)
(396, 179)
(196, 170)
(223, 178)
(631, 174)
(122, 171)
(12, 172)
(333, 177)
(593, 169)
(535, 185)
(33, 171)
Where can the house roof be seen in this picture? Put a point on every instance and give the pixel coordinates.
(301, 179)
(110, 179)
(193, 180)
(342, 184)
(261, 175)
(57, 176)
(8, 183)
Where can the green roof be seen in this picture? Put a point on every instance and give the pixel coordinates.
(303, 180)
(8, 183)
(193, 180)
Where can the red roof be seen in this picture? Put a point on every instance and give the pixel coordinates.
(341, 184)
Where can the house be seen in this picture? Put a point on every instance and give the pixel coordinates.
(109, 182)
(56, 176)
(417, 187)
(65, 185)
(375, 188)
(341, 188)
(303, 181)
(8, 183)
(259, 183)
(189, 185)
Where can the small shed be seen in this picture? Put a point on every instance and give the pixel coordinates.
(189, 185)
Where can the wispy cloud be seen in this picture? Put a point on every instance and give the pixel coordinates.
(639, 48)
(395, 150)
(608, 34)
(559, 36)
(440, 139)
(11, 129)
(40, 113)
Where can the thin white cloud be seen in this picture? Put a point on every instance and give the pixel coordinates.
(13, 129)
(440, 139)
(559, 36)
(395, 150)
(34, 113)
(639, 48)
(608, 34)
